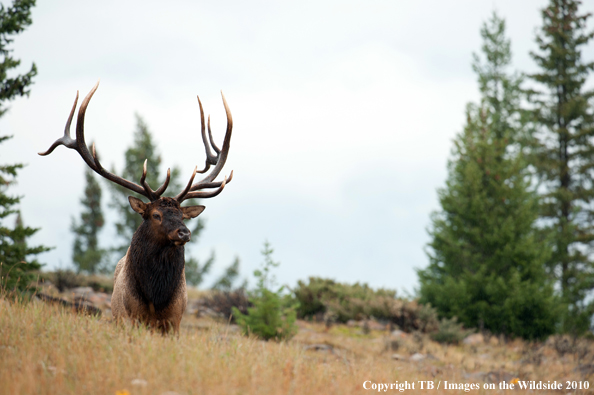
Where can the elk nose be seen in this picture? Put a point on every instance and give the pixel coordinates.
(184, 234)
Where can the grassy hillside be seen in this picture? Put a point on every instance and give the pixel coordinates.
(48, 350)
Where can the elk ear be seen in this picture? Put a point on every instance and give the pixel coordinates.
(137, 205)
(192, 211)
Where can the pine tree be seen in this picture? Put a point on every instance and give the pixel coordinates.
(273, 313)
(230, 275)
(564, 154)
(86, 254)
(13, 20)
(143, 148)
(195, 272)
(486, 262)
(16, 263)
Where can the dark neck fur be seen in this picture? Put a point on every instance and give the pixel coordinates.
(155, 270)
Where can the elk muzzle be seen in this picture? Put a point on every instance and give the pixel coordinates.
(180, 236)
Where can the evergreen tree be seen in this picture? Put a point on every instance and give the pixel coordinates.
(230, 275)
(13, 20)
(274, 313)
(195, 272)
(144, 148)
(16, 263)
(86, 254)
(486, 262)
(564, 154)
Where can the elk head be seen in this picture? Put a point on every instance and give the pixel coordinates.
(164, 219)
(163, 214)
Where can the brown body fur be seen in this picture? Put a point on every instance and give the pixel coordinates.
(124, 305)
(150, 281)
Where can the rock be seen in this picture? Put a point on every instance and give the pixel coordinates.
(398, 334)
(100, 299)
(398, 357)
(139, 382)
(418, 357)
(208, 312)
(375, 326)
(474, 339)
(84, 292)
(371, 325)
(76, 306)
(191, 310)
(48, 287)
(319, 347)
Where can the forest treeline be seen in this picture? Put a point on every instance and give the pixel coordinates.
(510, 246)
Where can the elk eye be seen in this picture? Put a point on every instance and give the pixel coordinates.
(156, 216)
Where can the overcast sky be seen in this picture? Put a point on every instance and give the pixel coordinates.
(344, 113)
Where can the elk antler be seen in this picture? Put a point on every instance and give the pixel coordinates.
(191, 190)
(218, 161)
(80, 146)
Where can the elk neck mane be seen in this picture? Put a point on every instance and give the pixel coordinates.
(156, 270)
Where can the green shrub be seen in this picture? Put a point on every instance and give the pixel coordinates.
(323, 297)
(450, 331)
(273, 313)
(348, 301)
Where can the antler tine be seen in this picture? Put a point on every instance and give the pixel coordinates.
(181, 197)
(154, 195)
(206, 185)
(83, 150)
(214, 146)
(218, 161)
(65, 140)
(210, 158)
(163, 187)
(151, 194)
(204, 195)
(224, 152)
(80, 146)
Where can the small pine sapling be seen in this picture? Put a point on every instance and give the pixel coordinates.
(273, 313)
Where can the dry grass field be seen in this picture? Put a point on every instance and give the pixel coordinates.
(48, 350)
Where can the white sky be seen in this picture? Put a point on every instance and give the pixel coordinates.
(344, 112)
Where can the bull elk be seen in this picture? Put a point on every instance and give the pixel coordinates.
(149, 281)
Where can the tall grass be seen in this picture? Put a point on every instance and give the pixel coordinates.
(48, 350)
